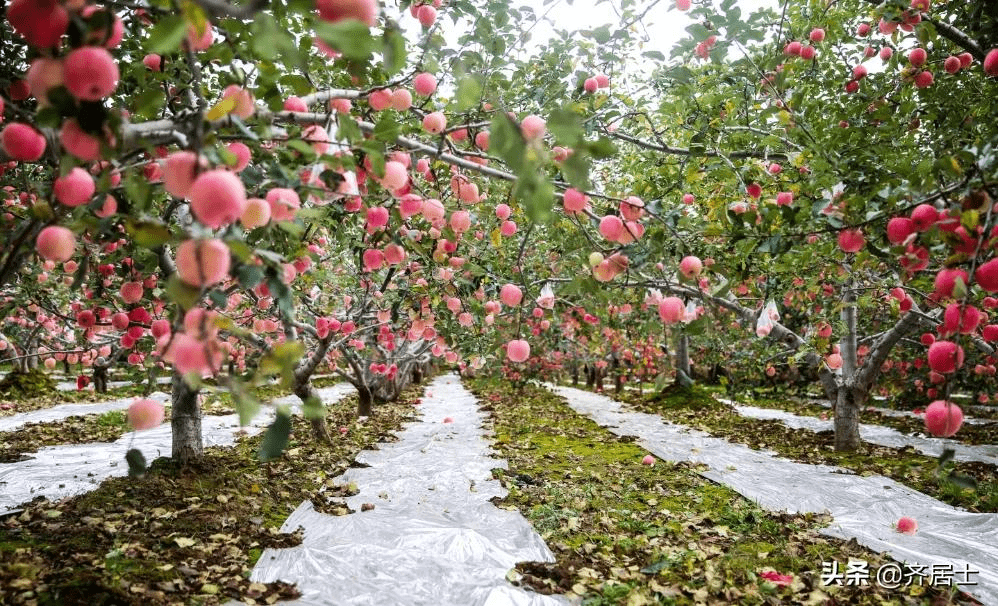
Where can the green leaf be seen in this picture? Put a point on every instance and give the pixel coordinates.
(182, 293)
(469, 92)
(275, 440)
(136, 462)
(507, 142)
(247, 405)
(350, 37)
(282, 359)
(149, 102)
(393, 51)
(249, 276)
(304, 148)
(312, 408)
(565, 125)
(148, 234)
(387, 129)
(167, 35)
(537, 195)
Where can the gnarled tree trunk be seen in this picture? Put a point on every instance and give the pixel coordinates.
(305, 390)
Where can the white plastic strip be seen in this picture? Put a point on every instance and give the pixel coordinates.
(433, 537)
(62, 411)
(71, 385)
(61, 471)
(864, 508)
(890, 412)
(877, 434)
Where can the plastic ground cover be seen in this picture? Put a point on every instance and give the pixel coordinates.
(864, 508)
(62, 411)
(71, 385)
(433, 537)
(61, 471)
(890, 412)
(876, 434)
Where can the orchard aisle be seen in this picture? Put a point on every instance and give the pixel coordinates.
(875, 434)
(864, 508)
(62, 471)
(433, 536)
(63, 411)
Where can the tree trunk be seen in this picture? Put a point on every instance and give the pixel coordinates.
(305, 390)
(848, 402)
(575, 376)
(364, 400)
(848, 399)
(683, 359)
(100, 379)
(185, 421)
(590, 377)
(417, 375)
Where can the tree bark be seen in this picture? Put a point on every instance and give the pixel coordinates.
(590, 377)
(364, 400)
(304, 391)
(185, 421)
(847, 406)
(847, 403)
(682, 358)
(100, 378)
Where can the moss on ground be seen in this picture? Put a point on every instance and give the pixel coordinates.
(626, 533)
(183, 535)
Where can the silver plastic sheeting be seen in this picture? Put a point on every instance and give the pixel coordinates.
(62, 471)
(864, 508)
(432, 538)
(890, 412)
(62, 411)
(877, 434)
(71, 385)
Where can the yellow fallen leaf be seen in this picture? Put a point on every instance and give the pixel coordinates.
(184, 542)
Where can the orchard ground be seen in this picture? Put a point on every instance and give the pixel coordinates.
(623, 531)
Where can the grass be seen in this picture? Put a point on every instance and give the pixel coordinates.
(631, 534)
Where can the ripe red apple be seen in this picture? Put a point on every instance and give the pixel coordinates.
(518, 350)
(22, 142)
(55, 243)
(851, 240)
(671, 310)
(943, 419)
(425, 84)
(75, 188)
(899, 228)
(924, 216)
(991, 62)
(203, 263)
(218, 198)
(987, 275)
(945, 356)
(90, 73)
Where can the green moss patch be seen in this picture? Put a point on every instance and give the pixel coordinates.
(632, 534)
(182, 535)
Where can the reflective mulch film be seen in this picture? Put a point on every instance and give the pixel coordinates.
(877, 434)
(864, 508)
(62, 411)
(61, 471)
(432, 538)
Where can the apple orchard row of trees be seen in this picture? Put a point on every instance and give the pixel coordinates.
(238, 191)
